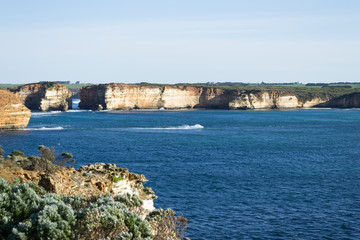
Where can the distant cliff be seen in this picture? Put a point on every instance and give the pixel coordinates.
(13, 114)
(44, 96)
(126, 96)
(266, 99)
(345, 101)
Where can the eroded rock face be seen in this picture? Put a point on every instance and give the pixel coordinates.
(13, 114)
(44, 96)
(346, 101)
(264, 100)
(125, 96)
(313, 102)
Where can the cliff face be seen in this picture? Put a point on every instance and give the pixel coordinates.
(264, 100)
(13, 114)
(125, 96)
(346, 101)
(44, 97)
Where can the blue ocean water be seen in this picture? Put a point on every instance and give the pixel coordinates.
(244, 175)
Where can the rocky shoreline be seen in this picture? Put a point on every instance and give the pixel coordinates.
(89, 185)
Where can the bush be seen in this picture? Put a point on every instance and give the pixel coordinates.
(17, 153)
(166, 225)
(128, 200)
(26, 215)
(1, 152)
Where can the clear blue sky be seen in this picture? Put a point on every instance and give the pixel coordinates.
(180, 41)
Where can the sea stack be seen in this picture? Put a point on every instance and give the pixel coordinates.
(44, 96)
(13, 114)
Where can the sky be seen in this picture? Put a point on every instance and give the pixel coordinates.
(184, 41)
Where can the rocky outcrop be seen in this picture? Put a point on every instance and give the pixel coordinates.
(125, 96)
(93, 179)
(44, 96)
(13, 114)
(314, 102)
(346, 101)
(264, 100)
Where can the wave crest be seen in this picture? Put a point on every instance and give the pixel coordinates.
(182, 127)
(45, 113)
(42, 129)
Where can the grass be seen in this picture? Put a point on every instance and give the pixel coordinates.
(117, 178)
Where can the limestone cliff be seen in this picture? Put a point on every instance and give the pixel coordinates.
(44, 96)
(125, 96)
(346, 101)
(13, 114)
(264, 100)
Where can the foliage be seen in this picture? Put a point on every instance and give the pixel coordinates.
(47, 84)
(128, 200)
(117, 178)
(2, 151)
(25, 215)
(166, 225)
(46, 161)
(47, 153)
(16, 153)
(29, 213)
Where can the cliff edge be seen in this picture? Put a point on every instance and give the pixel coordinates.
(13, 114)
(44, 96)
(41, 198)
(125, 96)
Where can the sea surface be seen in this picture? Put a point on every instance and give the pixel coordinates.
(233, 174)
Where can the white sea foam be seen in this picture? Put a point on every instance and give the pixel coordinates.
(77, 110)
(42, 129)
(317, 108)
(45, 113)
(76, 101)
(183, 127)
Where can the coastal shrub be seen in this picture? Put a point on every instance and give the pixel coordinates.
(27, 212)
(65, 159)
(129, 200)
(108, 219)
(2, 152)
(47, 84)
(116, 178)
(26, 215)
(17, 153)
(166, 225)
(47, 153)
(40, 164)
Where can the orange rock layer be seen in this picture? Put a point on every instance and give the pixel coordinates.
(13, 114)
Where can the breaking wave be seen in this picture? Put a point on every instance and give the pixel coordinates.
(42, 129)
(45, 113)
(183, 127)
(77, 110)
